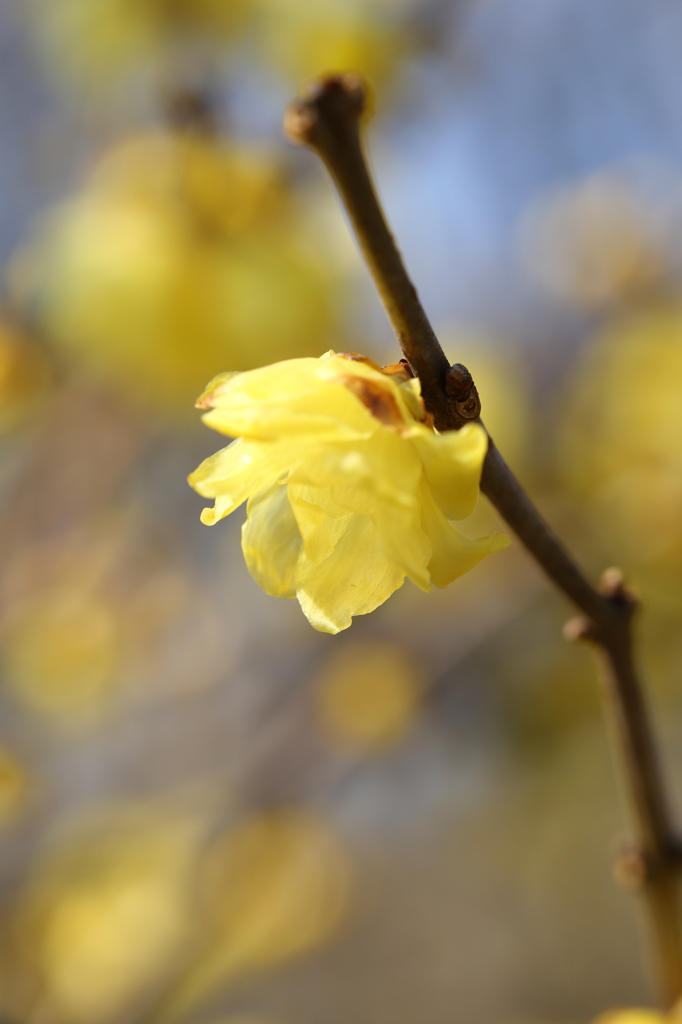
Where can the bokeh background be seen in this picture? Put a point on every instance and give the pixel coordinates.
(211, 814)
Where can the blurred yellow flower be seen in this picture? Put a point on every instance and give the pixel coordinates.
(60, 650)
(593, 242)
(180, 253)
(276, 886)
(349, 488)
(100, 38)
(307, 39)
(368, 695)
(621, 434)
(107, 914)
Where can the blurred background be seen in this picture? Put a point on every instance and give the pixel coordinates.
(211, 814)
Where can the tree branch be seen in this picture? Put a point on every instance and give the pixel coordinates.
(328, 119)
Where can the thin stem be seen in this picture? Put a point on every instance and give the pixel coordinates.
(505, 492)
(328, 120)
(654, 866)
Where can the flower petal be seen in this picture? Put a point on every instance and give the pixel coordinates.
(354, 580)
(380, 387)
(271, 541)
(452, 464)
(213, 389)
(234, 473)
(404, 541)
(286, 398)
(453, 553)
(320, 522)
(357, 475)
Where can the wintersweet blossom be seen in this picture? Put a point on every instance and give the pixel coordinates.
(349, 487)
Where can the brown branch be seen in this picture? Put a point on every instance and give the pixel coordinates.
(328, 119)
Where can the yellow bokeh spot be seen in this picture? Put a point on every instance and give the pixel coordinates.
(182, 255)
(308, 39)
(14, 785)
(281, 886)
(276, 887)
(109, 915)
(368, 695)
(633, 1016)
(60, 651)
(621, 440)
(592, 243)
(98, 39)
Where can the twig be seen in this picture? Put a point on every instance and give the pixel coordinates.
(328, 119)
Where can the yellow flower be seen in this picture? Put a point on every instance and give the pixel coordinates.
(177, 252)
(94, 39)
(308, 39)
(101, 41)
(349, 487)
(106, 913)
(621, 453)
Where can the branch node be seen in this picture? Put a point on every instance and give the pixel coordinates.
(326, 105)
(461, 390)
(631, 868)
(620, 595)
(634, 867)
(581, 630)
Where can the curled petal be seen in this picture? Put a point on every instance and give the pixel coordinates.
(404, 541)
(453, 553)
(234, 473)
(452, 465)
(354, 580)
(411, 392)
(286, 398)
(319, 527)
(271, 541)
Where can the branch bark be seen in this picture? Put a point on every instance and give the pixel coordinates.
(328, 120)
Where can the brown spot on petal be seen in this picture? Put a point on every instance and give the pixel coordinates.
(355, 357)
(379, 400)
(205, 402)
(400, 372)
